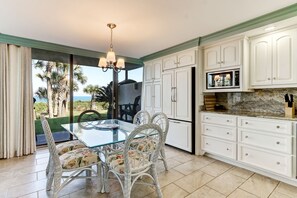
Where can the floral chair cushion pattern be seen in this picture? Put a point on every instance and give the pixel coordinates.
(69, 146)
(116, 161)
(78, 158)
(143, 145)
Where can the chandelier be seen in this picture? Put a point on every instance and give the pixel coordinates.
(110, 61)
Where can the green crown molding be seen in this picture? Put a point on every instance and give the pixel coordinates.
(176, 48)
(4, 38)
(263, 20)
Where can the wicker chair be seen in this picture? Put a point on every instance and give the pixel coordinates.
(76, 162)
(89, 115)
(141, 117)
(161, 120)
(138, 159)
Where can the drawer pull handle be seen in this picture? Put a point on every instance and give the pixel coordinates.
(206, 129)
(227, 149)
(277, 142)
(228, 133)
(228, 120)
(246, 154)
(278, 163)
(278, 127)
(246, 122)
(206, 118)
(206, 143)
(246, 136)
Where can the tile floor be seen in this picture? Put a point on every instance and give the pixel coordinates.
(189, 176)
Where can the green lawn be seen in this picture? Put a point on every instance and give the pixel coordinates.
(55, 123)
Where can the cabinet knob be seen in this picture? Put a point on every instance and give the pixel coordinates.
(268, 78)
(246, 122)
(228, 120)
(246, 136)
(206, 118)
(228, 149)
(206, 143)
(277, 142)
(206, 129)
(222, 62)
(246, 154)
(277, 127)
(278, 163)
(219, 62)
(228, 133)
(274, 78)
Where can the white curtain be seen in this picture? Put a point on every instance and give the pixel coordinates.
(17, 129)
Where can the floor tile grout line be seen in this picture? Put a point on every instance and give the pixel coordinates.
(274, 188)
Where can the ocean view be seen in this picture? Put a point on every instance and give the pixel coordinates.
(75, 98)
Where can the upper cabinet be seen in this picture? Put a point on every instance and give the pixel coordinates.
(223, 55)
(152, 70)
(180, 59)
(273, 60)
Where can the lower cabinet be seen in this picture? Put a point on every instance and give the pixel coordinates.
(265, 159)
(266, 144)
(180, 135)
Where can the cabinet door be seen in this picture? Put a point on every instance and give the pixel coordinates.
(148, 101)
(261, 61)
(212, 58)
(183, 94)
(180, 135)
(169, 62)
(186, 58)
(167, 93)
(157, 97)
(148, 76)
(230, 55)
(157, 68)
(284, 57)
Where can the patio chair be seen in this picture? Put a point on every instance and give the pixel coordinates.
(75, 161)
(161, 120)
(141, 117)
(89, 115)
(138, 159)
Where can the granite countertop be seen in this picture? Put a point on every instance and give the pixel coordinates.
(254, 114)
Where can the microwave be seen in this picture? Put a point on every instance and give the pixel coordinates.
(228, 79)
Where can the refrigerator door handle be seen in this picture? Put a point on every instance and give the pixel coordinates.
(175, 91)
(172, 94)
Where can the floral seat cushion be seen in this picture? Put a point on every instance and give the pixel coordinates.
(136, 160)
(69, 146)
(79, 158)
(144, 145)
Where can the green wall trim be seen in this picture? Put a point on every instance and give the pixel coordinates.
(4, 38)
(173, 49)
(263, 20)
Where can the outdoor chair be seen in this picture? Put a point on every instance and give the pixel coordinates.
(138, 159)
(162, 121)
(89, 115)
(75, 161)
(141, 117)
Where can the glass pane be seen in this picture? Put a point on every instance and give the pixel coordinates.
(51, 97)
(95, 93)
(129, 91)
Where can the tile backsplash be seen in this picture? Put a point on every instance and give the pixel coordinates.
(261, 100)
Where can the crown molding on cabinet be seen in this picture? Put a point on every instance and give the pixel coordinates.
(4, 38)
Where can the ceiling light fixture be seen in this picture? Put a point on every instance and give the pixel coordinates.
(110, 61)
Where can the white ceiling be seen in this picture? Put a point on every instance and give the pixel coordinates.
(143, 26)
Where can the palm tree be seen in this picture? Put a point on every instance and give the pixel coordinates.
(105, 95)
(92, 90)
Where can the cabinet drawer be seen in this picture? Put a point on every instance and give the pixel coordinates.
(278, 163)
(218, 119)
(277, 142)
(262, 124)
(227, 133)
(219, 147)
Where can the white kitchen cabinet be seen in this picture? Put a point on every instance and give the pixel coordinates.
(152, 70)
(180, 59)
(153, 97)
(180, 135)
(219, 134)
(273, 59)
(152, 86)
(222, 56)
(177, 94)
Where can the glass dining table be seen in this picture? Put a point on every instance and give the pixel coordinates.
(96, 134)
